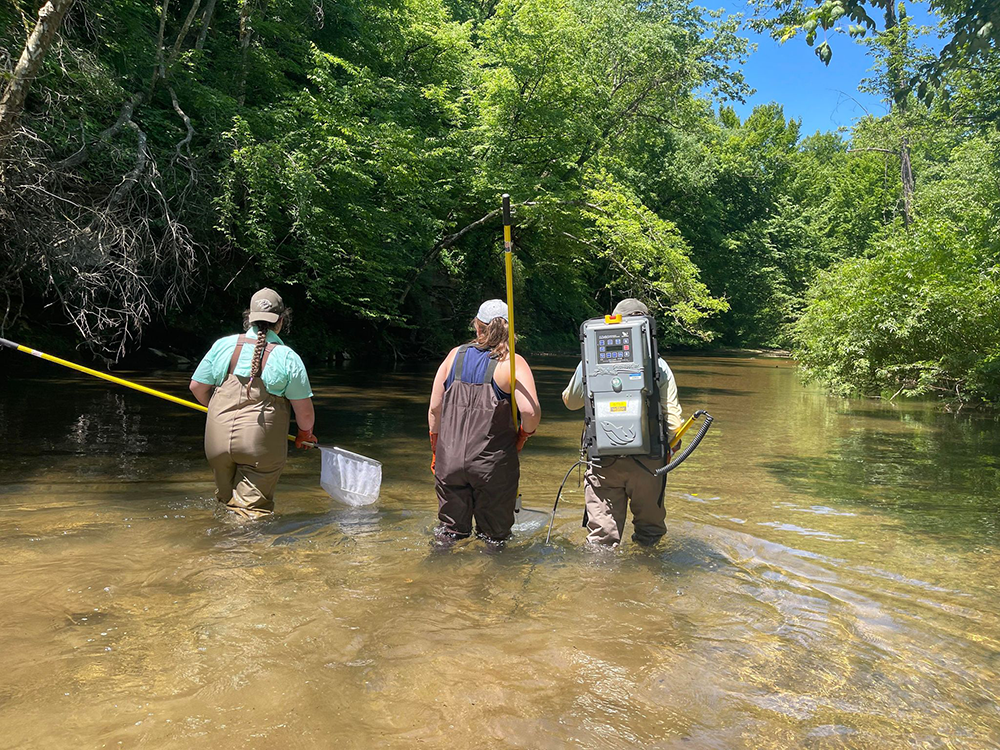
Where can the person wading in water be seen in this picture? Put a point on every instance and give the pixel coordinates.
(474, 440)
(624, 480)
(248, 382)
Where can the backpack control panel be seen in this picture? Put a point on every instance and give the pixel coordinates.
(621, 381)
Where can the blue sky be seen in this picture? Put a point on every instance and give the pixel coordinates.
(823, 97)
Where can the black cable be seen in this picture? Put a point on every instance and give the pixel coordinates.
(552, 520)
(682, 456)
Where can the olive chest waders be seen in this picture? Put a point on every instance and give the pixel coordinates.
(477, 468)
(246, 439)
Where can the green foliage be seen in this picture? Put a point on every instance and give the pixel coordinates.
(921, 313)
(648, 258)
(353, 156)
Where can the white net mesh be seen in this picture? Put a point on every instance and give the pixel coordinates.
(350, 478)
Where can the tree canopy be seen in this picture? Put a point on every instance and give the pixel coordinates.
(160, 162)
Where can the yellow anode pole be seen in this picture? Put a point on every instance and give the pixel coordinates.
(106, 376)
(508, 246)
(681, 430)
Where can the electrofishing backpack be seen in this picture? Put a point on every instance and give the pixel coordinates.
(621, 384)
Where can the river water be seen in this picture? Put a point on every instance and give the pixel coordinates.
(829, 580)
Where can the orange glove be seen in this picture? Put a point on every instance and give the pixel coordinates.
(522, 438)
(434, 449)
(303, 437)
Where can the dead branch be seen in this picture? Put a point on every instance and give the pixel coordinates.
(129, 180)
(872, 148)
(446, 242)
(186, 141)
(110, 263)
(124, 118)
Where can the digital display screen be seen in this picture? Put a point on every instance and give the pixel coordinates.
(614, 346)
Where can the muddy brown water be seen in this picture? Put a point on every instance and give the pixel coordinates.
(829, 580)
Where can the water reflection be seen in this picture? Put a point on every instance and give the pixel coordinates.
(828, 580)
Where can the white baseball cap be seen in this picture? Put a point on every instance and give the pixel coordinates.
(490, 309)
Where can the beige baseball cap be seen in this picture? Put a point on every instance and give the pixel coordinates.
(630, 306)
(266, 305)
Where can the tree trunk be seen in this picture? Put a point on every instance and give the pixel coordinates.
(182, 34)
(906, 175)
(245, 32)
(898, 91)
(12, 103)
(206, 22)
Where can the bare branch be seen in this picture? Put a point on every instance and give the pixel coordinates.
(124, 118)
(876, 150)
(130, 179)
(186, 141)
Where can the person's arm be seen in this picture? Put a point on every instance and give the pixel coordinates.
(669, 404)
(305, 414)
(526, 396)
(211, 371)
(201, 391)
(573, 395)
(299, 393)
(437, 394)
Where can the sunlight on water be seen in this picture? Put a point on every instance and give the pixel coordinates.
(828, 581)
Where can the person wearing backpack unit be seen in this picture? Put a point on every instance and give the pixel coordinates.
(621, 481)
(474, 440)
(250, 383)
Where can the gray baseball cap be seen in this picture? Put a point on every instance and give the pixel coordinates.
(490, 309)
(266, 305)
(630, 306)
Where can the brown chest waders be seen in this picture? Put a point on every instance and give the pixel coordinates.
(477, 469)
(246, 439)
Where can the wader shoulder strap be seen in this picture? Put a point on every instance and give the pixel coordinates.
(267, 353)
(240, 342)
(459, 362)
(236, 353)
(490, 370)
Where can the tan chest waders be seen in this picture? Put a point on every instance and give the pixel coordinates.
(246, 439)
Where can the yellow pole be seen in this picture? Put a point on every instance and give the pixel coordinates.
(108, 377)
(508, 246)
(680, 431)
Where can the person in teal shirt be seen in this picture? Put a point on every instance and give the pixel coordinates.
(251, 383)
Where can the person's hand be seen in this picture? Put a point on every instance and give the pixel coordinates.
(303, 438)
(434, 449)
(522, 438)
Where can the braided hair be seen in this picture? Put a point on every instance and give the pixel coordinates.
(263, 326)
(257, 361)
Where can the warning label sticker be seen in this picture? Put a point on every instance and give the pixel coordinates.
(618, 406)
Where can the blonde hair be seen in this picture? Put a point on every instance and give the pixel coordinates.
(491, 336)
